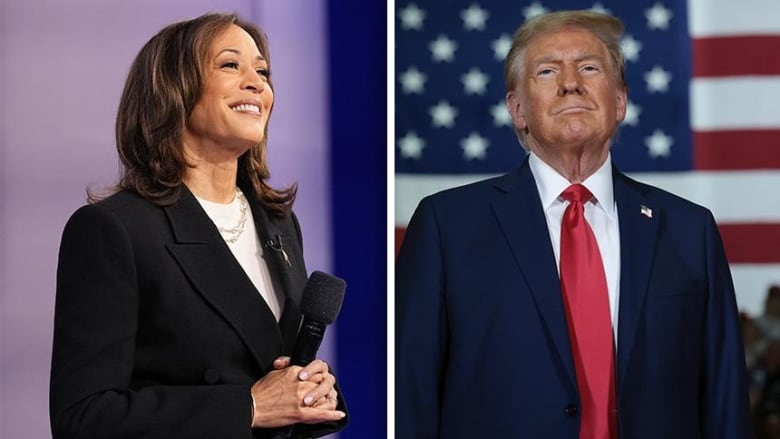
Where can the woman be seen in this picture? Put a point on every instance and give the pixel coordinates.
(178, 296)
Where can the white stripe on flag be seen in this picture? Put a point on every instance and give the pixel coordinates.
(743, 102)
(732, 196)
(728, 17)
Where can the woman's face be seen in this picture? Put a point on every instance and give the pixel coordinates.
(236, 99)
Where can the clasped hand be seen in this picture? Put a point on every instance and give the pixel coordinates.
(293, 394)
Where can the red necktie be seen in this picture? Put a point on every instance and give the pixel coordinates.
(586, 300)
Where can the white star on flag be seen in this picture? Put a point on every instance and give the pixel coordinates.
(412, 81)
(474, 17)
(500, 115)
(658, 17)
(533, 10)
(474, 82)
(443, 48)
(630, 47)
(598, 7)
(659, 144)
(411, 145)
(443, 114)
(501, 47)
(474, 146)
(632, 114)
(412, 17)
(658, 80)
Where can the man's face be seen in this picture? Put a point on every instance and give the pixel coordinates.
(567, 95)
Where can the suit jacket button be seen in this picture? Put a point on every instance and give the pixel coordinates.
(211, 376)
(570, 410)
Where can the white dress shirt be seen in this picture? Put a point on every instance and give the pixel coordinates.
(600, 212)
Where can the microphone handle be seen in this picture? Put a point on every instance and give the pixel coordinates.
(306, 347)
(308, 343)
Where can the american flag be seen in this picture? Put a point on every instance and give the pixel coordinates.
(703, 117)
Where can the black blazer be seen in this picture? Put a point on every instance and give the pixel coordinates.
(158, 332)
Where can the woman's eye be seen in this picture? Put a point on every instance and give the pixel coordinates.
(263, 72)
(230, 65)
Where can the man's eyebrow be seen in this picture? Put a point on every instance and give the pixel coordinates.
(550, 59)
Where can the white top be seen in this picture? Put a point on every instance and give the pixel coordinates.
(247, 249)
(600, 212)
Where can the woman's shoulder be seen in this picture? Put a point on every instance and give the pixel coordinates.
(120, 199)
(122, 206)
(123, 202)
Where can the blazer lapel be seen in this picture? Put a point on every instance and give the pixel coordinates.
(207, 261)
(282, 252)
(639, 227)
(522, 220)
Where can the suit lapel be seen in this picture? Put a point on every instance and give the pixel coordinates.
(209, 264)
(639, 226)
(522, 220)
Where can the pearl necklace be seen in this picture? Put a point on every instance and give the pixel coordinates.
(231, 235)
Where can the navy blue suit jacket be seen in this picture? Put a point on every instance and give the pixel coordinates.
(482, 344)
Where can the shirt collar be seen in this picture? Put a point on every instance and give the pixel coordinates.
(550, 184)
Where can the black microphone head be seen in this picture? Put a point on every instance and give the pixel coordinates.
(322, 297)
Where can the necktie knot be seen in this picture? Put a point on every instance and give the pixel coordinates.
(577, 193)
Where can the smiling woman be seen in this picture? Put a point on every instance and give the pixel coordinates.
(232, 113)
(178, 296)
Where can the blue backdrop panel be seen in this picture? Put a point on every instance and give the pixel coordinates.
(358, 109)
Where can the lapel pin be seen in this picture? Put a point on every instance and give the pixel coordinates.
(278, 246)
(646, 211)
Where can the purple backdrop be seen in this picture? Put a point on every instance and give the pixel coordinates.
(62, 67)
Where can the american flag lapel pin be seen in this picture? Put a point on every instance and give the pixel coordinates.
(646, 211)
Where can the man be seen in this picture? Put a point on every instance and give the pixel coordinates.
(565, 300)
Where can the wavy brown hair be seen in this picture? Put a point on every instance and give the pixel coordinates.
(162, 88)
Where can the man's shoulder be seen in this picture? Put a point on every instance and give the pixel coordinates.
(480, 191)
(658, 197)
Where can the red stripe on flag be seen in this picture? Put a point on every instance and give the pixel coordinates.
(751, 243)
(399, 238)
(734, 56)
(734, 150)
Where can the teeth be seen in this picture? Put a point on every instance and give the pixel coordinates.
(247, 107)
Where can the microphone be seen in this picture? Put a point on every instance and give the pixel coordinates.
(320, 304)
